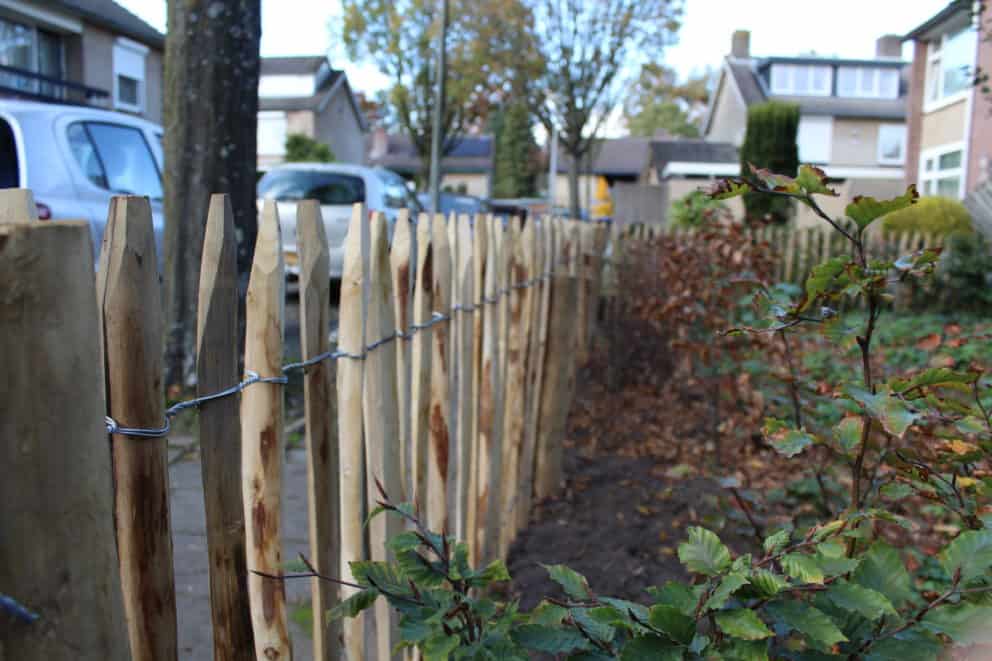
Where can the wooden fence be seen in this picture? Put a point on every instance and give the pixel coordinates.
(456, 358)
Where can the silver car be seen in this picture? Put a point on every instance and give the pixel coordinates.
(337, 186)
(74, 159)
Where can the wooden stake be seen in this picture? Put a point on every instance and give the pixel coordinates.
(420, 363)
(350, 377)
(439, 437)
(220, 434)
(58, 557)
(322, 449)
(130, 298)
(487, 349)
(464, 500)
(262, 440)
(402, 288)
(481, 240)
(17, 206)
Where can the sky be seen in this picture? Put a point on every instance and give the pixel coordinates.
(847, 28)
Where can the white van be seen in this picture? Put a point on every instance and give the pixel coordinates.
(337, 186)
(74, 159)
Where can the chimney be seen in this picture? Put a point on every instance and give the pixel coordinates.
(889, 45)
(380, 142)
(740, 44)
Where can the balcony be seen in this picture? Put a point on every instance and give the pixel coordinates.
(24, 84)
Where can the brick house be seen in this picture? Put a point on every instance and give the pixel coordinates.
(950, 120)
(91, 52)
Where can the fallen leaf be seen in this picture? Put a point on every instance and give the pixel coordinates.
(930, 342)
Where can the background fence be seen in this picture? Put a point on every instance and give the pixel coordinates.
(456, 358)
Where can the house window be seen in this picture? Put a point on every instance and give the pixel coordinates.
(32, 50)
(272, 130)
(129, 75)
(868, 82)
(951, 65)
(814, 138)
(941, 171)
(892, 144)
(801, 79)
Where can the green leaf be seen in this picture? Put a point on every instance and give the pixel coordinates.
(766, 583)
(965, 623)
(674, 594)
(742, 623)
(725, 189)
(893, 413)
(813, 180)
(937, 377)
(548, 614)
(729, 585)
(914, 644)
(405, 541)
(787, 440)
(803, 568)
(971, 552)
(882, 570)
(574, 583)
(704, 553)
(651, 648)
(864, 210)
(439, 647)
(826, 279)
(847, 433)
(353, 605)
(597, 629)
(495, 572)
(778, 541)
(551, 640)
(813, 623)
(745, 650)
(864, 601)
(673, 623)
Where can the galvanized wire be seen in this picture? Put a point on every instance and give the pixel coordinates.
(11, 606)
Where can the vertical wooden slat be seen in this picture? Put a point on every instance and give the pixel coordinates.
(600, 237)
(322, 449)
(486, 348)
(132, 332)
(58, 556)
(350, 376)
(439, 434)
(465, 402)
(379, 406)
(420, 362)
(401, 274)
(220, 434)
(262, 440)
(480, 257)
(544, 262)
(17, 206)
(497, 470)
(586, 248)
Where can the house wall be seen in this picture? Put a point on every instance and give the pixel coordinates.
(338, 127)
(476, 184)
(943, 126)
(300, 121)
(914, 104)
(153, 86)
(980, 143)
(97, 55)
(729, 115)
(855, 142)
(587, 189)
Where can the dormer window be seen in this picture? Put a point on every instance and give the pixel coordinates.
(801, 79)
(868, 82)
(284, 85)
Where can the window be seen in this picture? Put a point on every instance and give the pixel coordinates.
(129, 75)
(9, 173)
(951, 65)
(276, 86)
(892, 144)
(941, 172)
(32, 50)
(814, 137)
(801, 79)
(329, 188)
(116, 158)
(868, 82)
(272, 133)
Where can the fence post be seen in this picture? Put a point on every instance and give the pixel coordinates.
(487, 376)
(220, 434)
(439, 436)
(262, 440)
(130, 299)
(498, 468)
(400, 254)
(583, 311)
(420, 363)
(465, 402)
(350, 377)
(481, 256)
(59, 564)
(382, 446)
(17, 206)
(322, 450)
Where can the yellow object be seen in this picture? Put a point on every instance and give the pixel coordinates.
(602, 206)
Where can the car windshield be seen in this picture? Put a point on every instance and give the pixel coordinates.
(329, 188)
(395, 192)
(116, 158)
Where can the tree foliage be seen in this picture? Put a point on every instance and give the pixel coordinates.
(770, 143)
(304, 149)
(659, 102)
(515, 166)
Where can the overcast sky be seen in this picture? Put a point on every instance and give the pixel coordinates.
(778, 27)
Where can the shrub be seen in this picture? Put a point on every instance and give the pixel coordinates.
(940, 216)
(964, 275)
(770, 143)
(696, 208)
(302, 149)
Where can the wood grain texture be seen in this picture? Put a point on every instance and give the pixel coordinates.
(130, 300)
(439, 426)
(421, 362)
(58, 557)
(487, 350)
(382, 447)
(220, 435)
(17, 206)
(322, 449)
(262, 441)
(481, 238)
(350, 375)
(401, 274)
(463, 464)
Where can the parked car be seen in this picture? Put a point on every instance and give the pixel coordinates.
(337, 186)
(74, 159)
(458, 204)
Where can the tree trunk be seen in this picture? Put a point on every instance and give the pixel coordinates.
(573, 183)
(210, 117)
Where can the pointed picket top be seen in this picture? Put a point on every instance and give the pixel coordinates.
(218, 272)
(401, 274)
(420, 361)
(17, 206)
(311, 238)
